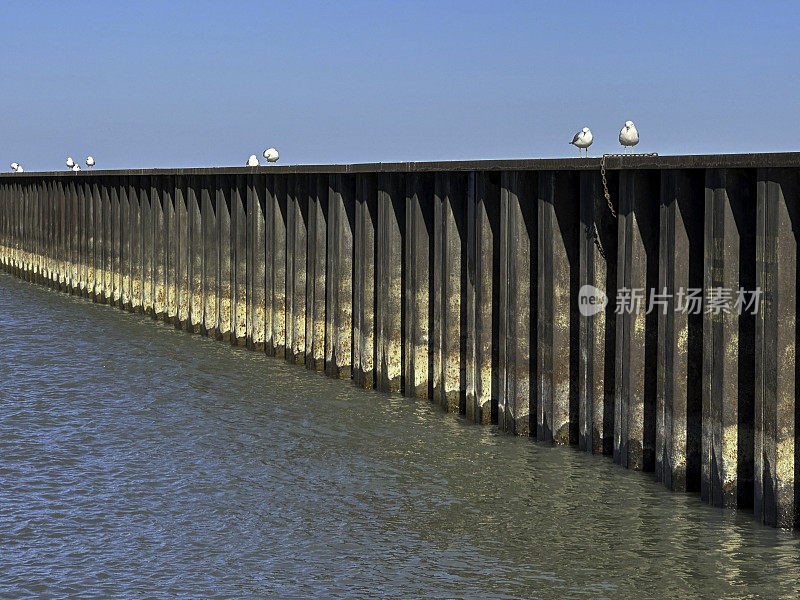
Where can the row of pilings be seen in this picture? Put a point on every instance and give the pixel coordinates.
(458, 282)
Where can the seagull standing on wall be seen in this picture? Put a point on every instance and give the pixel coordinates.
(628, 136)
(271, 155)
(75, 167)
(70, 162)
(252, 161)
(583, 139)
(89, 162)
(14, 167)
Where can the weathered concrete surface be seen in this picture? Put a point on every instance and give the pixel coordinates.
(728, 341)
(517, 287)
(598, 268)
(449, 285)
(679, 405)
(388, 281)
(557, 319)
(775, 453)
(364, 281)
(483, 256)
(417, 292)
(458, 282)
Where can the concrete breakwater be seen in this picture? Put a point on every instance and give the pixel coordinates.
(460, 282)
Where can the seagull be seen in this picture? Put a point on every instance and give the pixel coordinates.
(75, 167)
(628, 136)
(271, 155)
(14, 167)
(252, 161)
(583, 139)
(70, 162)
(20, 169)
(89, 162)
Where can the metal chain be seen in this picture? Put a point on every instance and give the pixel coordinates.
(592, 231)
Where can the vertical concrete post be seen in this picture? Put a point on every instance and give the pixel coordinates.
(159, 210)
(316, 271)
(339, 287)
(364, 280)
(278, 246)
(183, 257)
(225, 273)
(80, 247)
(116, 240)
(389, 282)
(239, 259)
(483, 253)
(97, 292)
(209, 207)
(197, 253)
(418, 272)
(256, 268)
(146, 202)
(728, 340)
(269, 275)
(679, 387)
(776, 499)
(637, 331)
(137, 259)
(108, 279)
(125, 230)
(598, 268)
(297, 210)
(290, 242)
(517, 289)
(171, 248)
(558, 326)
(88, 250)
(449, 270)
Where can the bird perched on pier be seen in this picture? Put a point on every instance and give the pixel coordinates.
(75, 167)
(20, 169)
(14, 167)
(271, 155)
(583, 139)
(252, 161)
(628, 136)
(89, 162)
(70, 162)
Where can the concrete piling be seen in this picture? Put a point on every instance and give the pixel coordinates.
(461, 283)
(597, 268)
(517, 381)
(775, 453)
(679, 392)
(728, 340)
(637, 328)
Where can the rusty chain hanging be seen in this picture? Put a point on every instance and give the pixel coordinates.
(593, 232)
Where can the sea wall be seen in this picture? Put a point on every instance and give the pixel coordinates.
(460, 282)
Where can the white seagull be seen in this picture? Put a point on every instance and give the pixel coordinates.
(89, 162)
(628, 136)
(70, 162)
(271, 155)
(252, 161)
(583, 139)
(14, 167)
(20, 169)
(75, 167)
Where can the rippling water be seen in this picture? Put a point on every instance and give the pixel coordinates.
(137, 461)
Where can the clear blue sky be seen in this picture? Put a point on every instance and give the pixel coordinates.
(179, 83)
